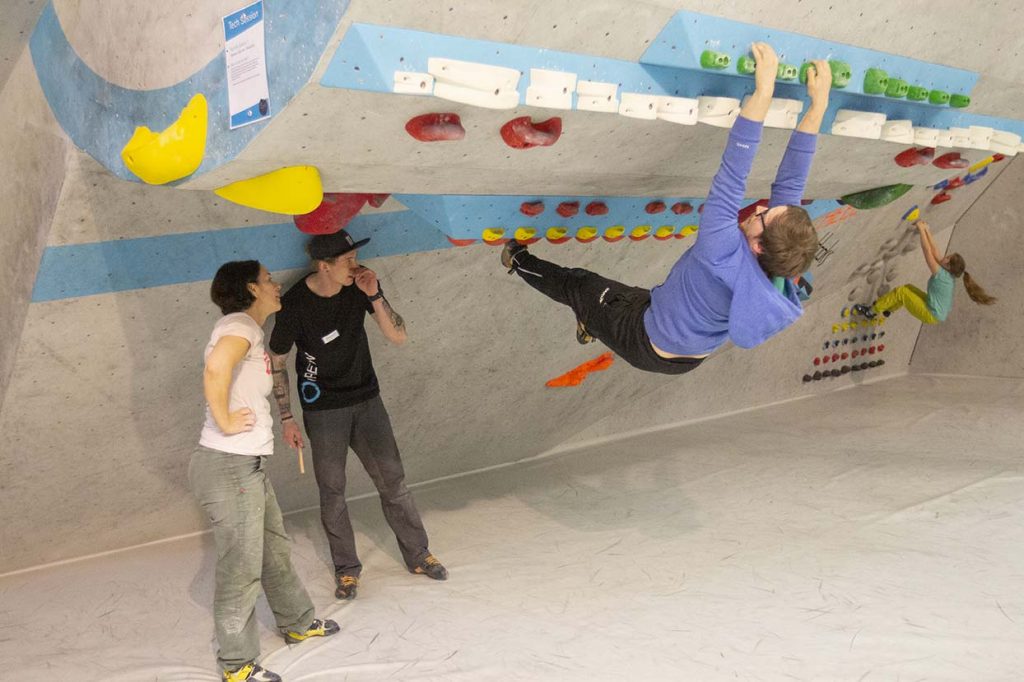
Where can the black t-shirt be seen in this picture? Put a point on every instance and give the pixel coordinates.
(333, 362)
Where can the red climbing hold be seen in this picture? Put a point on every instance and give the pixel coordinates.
(681, 208)
(750, 209)
(881, 347)
(333, 213)
(531, 207)
(461, 242)
(523, 133)
(436, 127)
(700, 209)
(998, 157)
(835, 357)
(568, 209)
(817, 361)
(941, 198)
(954, 184)
(377, 200)
(915, 157)
(951, 160)
(655, 207)
(806, 202)
(844, 356)
(597, 208)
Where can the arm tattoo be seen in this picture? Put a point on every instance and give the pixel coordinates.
(395, 318)
(282, 390)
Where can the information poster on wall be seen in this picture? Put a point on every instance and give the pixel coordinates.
(245, 54)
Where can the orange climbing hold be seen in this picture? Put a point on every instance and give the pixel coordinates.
(681, 208)
(568, 209)
(655, 207)
(575, 377)
(531, 208)
(597, 208)
(436, 127)
(523, 133)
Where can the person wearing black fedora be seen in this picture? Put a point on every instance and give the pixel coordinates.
(323, 315)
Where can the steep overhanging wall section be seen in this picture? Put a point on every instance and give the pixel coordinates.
(977, 339)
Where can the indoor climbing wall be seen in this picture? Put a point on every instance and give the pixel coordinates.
(441, 133)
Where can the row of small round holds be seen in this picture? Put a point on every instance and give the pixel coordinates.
(845, 369)
(847, 326)
(836, 357)
(835, 343)
(560, 235)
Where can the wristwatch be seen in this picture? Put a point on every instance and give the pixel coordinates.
(379, 294)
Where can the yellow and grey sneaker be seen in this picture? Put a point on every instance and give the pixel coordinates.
(347, 585)
(582, 335)
(430, 567)
(318, 628)
(250, 672)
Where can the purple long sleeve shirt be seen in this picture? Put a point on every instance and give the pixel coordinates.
(717, 289)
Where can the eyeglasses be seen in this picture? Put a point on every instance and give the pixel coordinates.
(764, 226)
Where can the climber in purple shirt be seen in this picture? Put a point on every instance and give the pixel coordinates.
(734, 282)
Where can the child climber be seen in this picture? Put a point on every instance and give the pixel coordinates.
(934, 306)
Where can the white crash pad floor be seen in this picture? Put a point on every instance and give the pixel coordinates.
(875, 533)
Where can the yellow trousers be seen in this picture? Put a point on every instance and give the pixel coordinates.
(910, 297)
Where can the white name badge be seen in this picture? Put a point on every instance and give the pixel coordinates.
(330, 337)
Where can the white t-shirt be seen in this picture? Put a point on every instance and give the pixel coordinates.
(251, 383)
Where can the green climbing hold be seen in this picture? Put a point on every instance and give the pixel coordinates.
(959, 101)
(938, 97)
(917, 93)
(713, 60)
(875, 198)
(840, 72)
(897, 88)
(875, 82)
(745, 65)
(787, 72)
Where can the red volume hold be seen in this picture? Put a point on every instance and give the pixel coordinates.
(523, 133)
(568, 209)
(436, 127)
(951, 160)
(597, 208)
(941, 198)
(531, 207)
(333, 213)
(915, 157)
(681, 208)
(655, 207)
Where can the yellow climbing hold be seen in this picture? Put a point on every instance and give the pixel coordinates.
(615, 232)
(687, 231)
(913, 215)
(664, 232)
(292, 190)
(556, 234)
(836, 328)
(981, 164)
(586, 233)
(493, 234)
(177, 151)
(524, 234)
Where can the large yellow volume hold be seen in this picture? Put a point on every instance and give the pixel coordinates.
(177, 151)
(292, 190)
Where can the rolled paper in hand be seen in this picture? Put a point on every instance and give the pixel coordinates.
(302, 466)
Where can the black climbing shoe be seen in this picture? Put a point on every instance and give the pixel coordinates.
(509, 253)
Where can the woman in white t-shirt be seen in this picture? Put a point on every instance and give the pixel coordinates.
(228, 477)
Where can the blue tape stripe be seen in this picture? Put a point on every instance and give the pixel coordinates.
(127, 264)
(369, 55)
(101, 117)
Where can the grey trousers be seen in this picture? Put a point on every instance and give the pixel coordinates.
(365, 427)
(252, 550)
